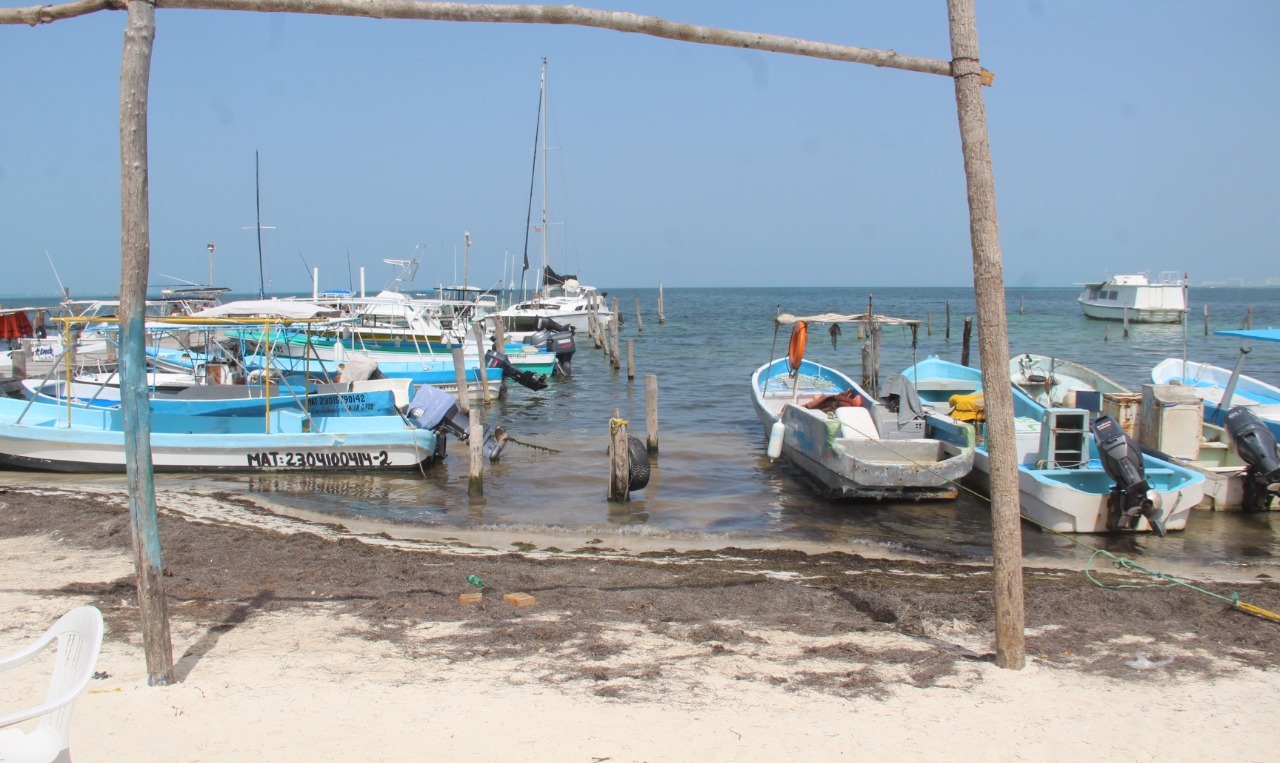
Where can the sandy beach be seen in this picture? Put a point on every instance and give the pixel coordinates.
(302, 639)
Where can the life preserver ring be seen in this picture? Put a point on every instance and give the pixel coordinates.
(799, 339)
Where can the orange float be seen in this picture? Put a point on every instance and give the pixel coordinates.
(799, 340)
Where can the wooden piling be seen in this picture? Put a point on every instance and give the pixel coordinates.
(475, 444)
(651, 413)
(966, 337)
(619, 459)
(1247, 323)
(499, 335)
(928, 324)
(1125, 334)
(460, 373)
(947, 336)
(482, 370)
(639, 319)
(631, 360)
(1022, 304)
(662, 313)
(1206, 320)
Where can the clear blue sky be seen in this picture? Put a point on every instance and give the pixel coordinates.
(1126, 136)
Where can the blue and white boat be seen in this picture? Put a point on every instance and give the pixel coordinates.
(1065, 483)
(853, 446)
(1212, 383)
(50, 437)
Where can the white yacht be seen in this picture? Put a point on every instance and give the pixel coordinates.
(1136, 298)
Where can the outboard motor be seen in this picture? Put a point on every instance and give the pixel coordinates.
(433, 408)
(528, 379)
(1131, 496)
(1257, 447)
(555, 338)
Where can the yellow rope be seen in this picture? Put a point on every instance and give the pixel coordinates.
(616, 424)
(1256, 610)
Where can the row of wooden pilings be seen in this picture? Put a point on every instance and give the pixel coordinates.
(605, 338)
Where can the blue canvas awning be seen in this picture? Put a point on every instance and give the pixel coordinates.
(1262, 335)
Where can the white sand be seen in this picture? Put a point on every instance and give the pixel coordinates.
(303, 686)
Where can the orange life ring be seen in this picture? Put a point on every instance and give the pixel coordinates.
(799, 338)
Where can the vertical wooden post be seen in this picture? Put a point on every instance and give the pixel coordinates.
(460, 373)
(947, 336)
(639, 318)
(1022, 304)
(613, 333)
(619, 459)
(482, 370)
(651, 413)
(1247, 323)
(475, 445)
(631, 360)
(499, 334)
(965, 339)
(1206, 319)
(135, 241)
(662, 313)
(993, 338)
(1106, 333)
(1125, 334)
(928, 324)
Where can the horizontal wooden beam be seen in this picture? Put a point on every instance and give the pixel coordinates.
(618, 21)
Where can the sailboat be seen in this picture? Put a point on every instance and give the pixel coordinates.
(562, 299)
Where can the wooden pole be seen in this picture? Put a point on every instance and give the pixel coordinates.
(619, 460)
(613, 333)
(1125, 333)
(135, 403)
(928, 324)
(499, 334)
(947, 336)
(481, 370)
(1247, 323)
(639, 318)
(1206, 319)
(475, 445)
(965, 338)
(662, 313)
(993, 339)
(460, 373)
(1022, 304)
(631, 360)
(651, 413)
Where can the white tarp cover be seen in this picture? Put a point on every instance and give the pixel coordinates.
(787, 319)
(266, 308)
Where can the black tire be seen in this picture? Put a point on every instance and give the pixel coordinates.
(638, 455)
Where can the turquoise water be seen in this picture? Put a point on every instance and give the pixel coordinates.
(712, 478)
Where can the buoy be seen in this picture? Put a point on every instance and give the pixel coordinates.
(795, 351)
(776, 434)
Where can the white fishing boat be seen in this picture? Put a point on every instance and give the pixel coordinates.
(1136, 298)
(1054, 382)
(1076, 474)
(1210, 383)
(66, 438)
(850, 444)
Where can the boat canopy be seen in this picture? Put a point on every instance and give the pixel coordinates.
(1262, 335)
(267, 308)
(787, 319)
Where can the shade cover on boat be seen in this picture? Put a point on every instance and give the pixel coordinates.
(267, 308)
(14, 325)
(1262, 335)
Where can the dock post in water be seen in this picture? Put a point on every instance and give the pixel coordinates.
(1206, 319)
(619, 459)
(965, 338)
(639, 319)
(1125, 333)
(631, 360)
(947, 336)
(1247, 323)
(928, 324)
(475, 444)
(460, 373)
(662, 314)
(651, 413)
(482, 367)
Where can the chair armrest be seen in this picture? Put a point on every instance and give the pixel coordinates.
(44, 708)
(25, 655)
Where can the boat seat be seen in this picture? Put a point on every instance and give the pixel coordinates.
(856, 423)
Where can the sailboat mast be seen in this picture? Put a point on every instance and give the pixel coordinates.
(542, 274)
(257, 193)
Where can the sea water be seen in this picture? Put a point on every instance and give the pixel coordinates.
(712, 480)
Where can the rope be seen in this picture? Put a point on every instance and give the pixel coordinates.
(616, 424)
(1117, 561)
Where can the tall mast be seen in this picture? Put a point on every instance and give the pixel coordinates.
(257, 196)
(542, 274)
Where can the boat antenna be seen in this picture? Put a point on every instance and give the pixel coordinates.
(65, 294)
(257, 198)
(533, 175)
(350, 284)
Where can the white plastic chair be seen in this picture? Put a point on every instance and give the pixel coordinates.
(79, 636)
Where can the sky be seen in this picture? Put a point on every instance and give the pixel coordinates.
(1125, 137)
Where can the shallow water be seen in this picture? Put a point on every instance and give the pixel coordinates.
(712, 479)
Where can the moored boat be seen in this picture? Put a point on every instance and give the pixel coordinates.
(1136, 298)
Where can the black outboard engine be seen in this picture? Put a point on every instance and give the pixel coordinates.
(1131, 496)
(433, 408)
(528, 379)
(1257, 447)
(555, 338)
